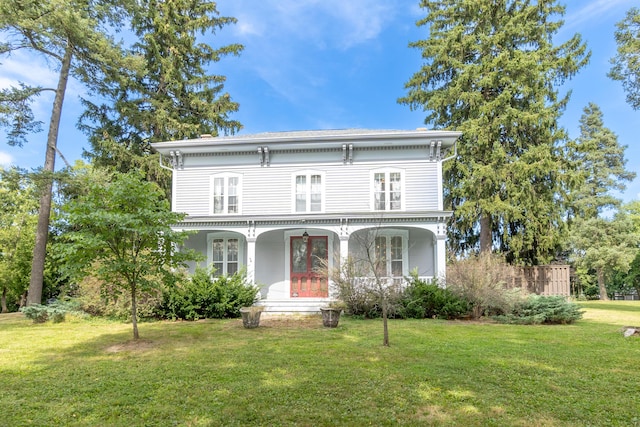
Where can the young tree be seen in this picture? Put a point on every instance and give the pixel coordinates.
(599, 162)
(71, 35)
(491, 71)
(364, 277)
(171, 94)
(120, 231)
(626, 64)
(18, 219)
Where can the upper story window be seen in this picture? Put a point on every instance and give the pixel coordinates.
(387, 190)
(308, 191)
(224, 253)
(225, 194)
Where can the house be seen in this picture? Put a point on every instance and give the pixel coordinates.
(284, 204)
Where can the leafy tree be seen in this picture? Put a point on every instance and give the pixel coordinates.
(169, 94)
(626, 64)
(491, 71)
(71, 35)
(120, 231)
(605, 246)
(18, 218)
(599, 161)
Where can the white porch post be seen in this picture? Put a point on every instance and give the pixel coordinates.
(251, 259)
(441, 252)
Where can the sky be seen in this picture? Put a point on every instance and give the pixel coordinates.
(335, 64)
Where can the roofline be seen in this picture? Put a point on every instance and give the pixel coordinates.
(288, 139)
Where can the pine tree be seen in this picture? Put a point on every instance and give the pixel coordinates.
(169, 93)
(72, 36)
(599, 162)
(626, 63)
(491, 71)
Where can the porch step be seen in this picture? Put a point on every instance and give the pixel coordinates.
(293, 306)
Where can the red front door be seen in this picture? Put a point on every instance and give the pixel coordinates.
(309, 267)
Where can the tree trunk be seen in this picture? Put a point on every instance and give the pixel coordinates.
(3, 300)
(42, 231)
(385, 335)
(486, 242)
(601, 286)
(134, 313)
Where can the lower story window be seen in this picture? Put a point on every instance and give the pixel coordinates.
(390, 255)
(224, 254)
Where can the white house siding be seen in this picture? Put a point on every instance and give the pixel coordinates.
(347, 187)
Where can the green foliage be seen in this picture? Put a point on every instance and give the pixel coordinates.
(490, 70)
(626, 63)
(425, 300)
(102, 299)
(481, 281)
(56, 311)
(120, 231)
(204, 296)
(539, 309)
(18, 217)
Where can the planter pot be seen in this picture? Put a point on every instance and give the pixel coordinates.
(330, 316)
(251, 316)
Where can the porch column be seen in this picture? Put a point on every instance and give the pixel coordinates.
(344, 248)
(441, 252)
(251, 259)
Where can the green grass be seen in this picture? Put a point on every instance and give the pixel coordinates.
(210, 373)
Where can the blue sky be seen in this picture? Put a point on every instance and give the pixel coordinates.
(333, 64)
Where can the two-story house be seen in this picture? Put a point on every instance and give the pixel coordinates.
(286, 205)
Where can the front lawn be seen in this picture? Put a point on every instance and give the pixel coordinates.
(294, 372)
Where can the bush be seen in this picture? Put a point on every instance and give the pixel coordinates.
(481, 281)
(36, 312)
(539, 309)
(98, 298)
(56, 311)
(202, 296)
(422, 300)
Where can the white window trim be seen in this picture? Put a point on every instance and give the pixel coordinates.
(308, 173)
(225, 235)
(403, 197)
(226, 177)
(404, 234)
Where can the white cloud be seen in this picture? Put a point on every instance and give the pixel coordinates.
(594, 9)
(5, 159)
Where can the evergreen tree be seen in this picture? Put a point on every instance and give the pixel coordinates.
(626, 64)
(71, 35)
(169, 93)
(491, 71)
(599, 161)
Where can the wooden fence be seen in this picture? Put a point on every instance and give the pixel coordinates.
(542, 279)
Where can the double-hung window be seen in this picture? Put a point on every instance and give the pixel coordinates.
(387, 190)
(224, 253)
(225, 194)
(308, 191)
(391, 253)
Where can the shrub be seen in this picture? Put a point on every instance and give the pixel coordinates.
(99, 298)
(36, 312)
(202, 296)
(481, 280)
(538, 309)
(422, 299)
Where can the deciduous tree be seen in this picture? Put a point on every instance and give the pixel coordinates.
(626, 63)
(491, 70)
(120, 231)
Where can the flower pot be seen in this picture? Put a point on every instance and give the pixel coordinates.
(251, 316)
(330, 316)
